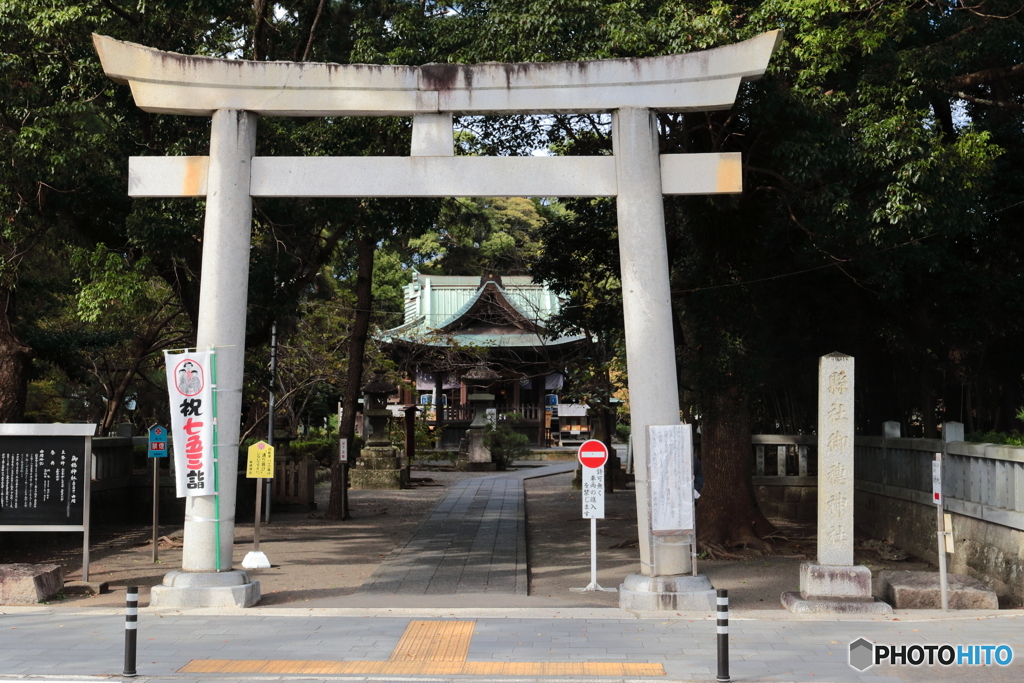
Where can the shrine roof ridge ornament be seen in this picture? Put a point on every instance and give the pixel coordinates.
(172, 83)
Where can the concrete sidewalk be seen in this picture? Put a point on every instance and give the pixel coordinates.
(479, 645)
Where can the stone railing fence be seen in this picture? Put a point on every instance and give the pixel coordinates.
(984, 481)
(983, 487)
(112, 459)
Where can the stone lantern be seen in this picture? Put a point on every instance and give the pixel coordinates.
(380, 464)
(480, 378)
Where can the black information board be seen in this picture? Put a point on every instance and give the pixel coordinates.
(42, 480)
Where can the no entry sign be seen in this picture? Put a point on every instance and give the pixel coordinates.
(593, 454)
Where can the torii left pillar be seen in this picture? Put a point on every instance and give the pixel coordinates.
(222, 306)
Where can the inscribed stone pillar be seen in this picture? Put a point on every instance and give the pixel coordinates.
(834, 584)
(835, 460)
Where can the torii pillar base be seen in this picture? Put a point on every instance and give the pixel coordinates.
(640, 593)
(205, 589)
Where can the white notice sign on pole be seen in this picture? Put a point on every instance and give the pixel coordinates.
(670, 472)
(593, 492)
(593, 455)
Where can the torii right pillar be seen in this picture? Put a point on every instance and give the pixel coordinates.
(834, 584)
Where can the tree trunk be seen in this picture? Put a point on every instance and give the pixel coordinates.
(14, 360)
(116, 402)
(354, 380)
(727, 512)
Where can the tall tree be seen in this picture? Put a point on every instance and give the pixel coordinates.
(859, 190)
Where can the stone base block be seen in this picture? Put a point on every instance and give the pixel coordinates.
(375, 479)
(477, 450)
(920, 590)
(834, 589)
(651, 593)
(378, 467)
(799, 604)
(831, 581)
(29, 584)
(205, 589)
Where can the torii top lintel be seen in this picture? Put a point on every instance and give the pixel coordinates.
(171, 83)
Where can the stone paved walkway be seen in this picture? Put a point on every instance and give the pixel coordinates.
(473, 541)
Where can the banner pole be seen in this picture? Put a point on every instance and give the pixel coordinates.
(216, 452)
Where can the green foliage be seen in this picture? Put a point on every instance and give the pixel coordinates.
(622, 432)
(1013, 438)
(323, 450)
(505, 442)
(493, 234)
(424, 437)
(882, 179)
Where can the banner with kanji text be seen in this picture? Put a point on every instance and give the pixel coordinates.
(190, 389)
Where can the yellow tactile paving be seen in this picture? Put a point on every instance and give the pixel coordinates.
(434, 641)
(438, 648)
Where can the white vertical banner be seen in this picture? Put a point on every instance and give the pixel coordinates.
(189, 386)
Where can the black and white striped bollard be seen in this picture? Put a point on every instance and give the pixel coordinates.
(723, 635)
(131, 624)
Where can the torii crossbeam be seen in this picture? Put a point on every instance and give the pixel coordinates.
(236, 92)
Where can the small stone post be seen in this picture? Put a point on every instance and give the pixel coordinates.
(952, 431)
(834, 584)
(481, 378)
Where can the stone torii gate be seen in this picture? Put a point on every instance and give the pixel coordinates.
(236, 92)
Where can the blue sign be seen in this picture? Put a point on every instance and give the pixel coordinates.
(157, 442)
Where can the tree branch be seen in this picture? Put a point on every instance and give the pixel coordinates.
(987, 76)
(991, 103)
(312, 30)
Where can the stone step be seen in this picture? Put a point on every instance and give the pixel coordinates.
(920, 590)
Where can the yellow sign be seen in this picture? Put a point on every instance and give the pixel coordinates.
(261, 461)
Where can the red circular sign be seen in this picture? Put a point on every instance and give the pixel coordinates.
(593, 454)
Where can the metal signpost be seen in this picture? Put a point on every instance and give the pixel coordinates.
(45, 479)
(260, 466)
(937, 499)
(592, 456)
(157, 449)
(343, 459)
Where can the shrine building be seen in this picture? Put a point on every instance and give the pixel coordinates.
(466, 335)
